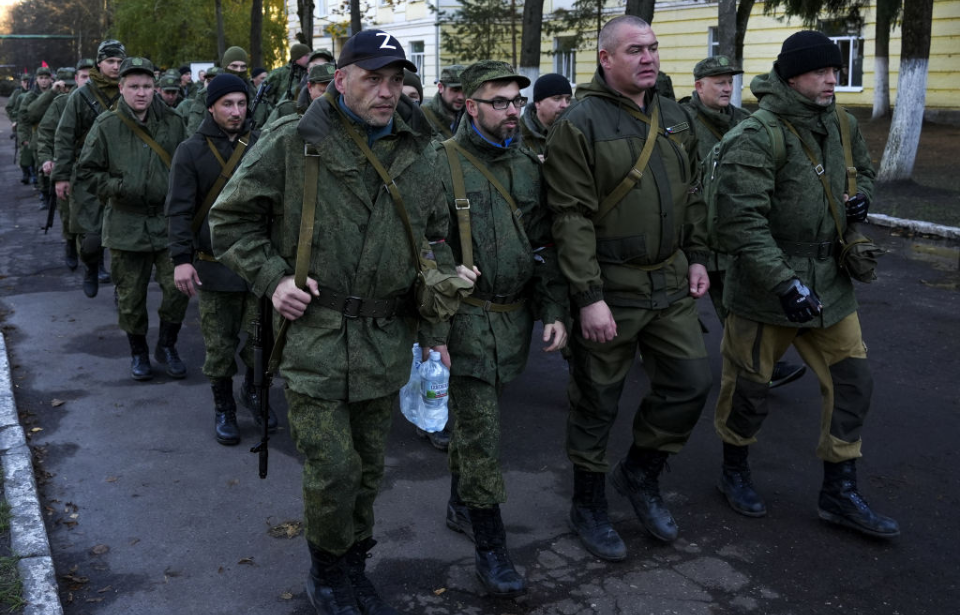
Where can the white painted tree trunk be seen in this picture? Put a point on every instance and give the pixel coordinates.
(901, 151)
(532, 73)
(881, 87)
(736, 97)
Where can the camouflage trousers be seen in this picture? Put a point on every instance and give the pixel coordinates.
(343, 445)
(838, 357)
(474, 452)
(131, 275)
(674, 357)
(223, 316)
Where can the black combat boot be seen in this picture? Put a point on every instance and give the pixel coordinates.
(166, 350)
(70, 256)
(140, 364)
(328, 586)
(364, 592)
(784, 373)
(439, 440)
(26, 175)
(494, 567)
(227, 430)
(458, 517)
(841, 503)
(589, 519)
(736, 484)
(250, 397)
(90, 282)
(103, 276)
(638, 478)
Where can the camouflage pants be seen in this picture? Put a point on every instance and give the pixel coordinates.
(223, 315)
(675, 360)
(131, 275)
(343, 445)
(474, 451)
(838, 357)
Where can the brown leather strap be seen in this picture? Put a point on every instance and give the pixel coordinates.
(492, 305)
(636, 173)
(226, 171)
(143, 136)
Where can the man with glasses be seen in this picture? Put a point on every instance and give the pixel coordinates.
(622, 175)
(494, 187)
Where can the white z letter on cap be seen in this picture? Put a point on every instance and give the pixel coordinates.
(386, 39)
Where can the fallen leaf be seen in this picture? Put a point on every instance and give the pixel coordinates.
(134, 541)
(246, 560)
(74, 515)
(112, 479)
(104, 590)
(75, 578)
(94, 600)
(287, 529)
(286, 596)
(56, 403)
(437, 592)
(36, 429)
(100, 549)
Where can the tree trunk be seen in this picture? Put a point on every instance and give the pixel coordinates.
(641, 8)
(530, 42)
(901, 151)
(731, 29)
(256, 33)
(881, 84)
(355, 23)
(305, 13)
(221, 39)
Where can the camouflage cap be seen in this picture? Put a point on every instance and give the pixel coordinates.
(26, 77)
(480, 72)
(450, 75)
(136, 65)
(717, 65)
(320, 53)
(43, 70)
(169, 82)
(212, 72)
(321, 73)
(68, 75)
(86, 63)
(111, 48)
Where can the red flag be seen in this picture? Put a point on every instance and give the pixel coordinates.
(44, 65)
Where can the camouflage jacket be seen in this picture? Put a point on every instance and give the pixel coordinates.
(515, 256)
(762, 207)
(534, 133)
(289, 107)
(711, 124)
(638, 255)
(129, 177)
(12, 104)
(435, 107)
(47, 129)
(194, 171)
(360, 246)
(84, 104)
(25, 123)
(284, 83)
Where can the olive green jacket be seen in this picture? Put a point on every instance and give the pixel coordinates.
(360, 246)
(533, 131)
(711, 124)
(435, 106)
(284, 83)
(129, 177)
(12, 104)
(639, 254)
(47, 129)
(25, 122)
(515, 255)
(80, 112)
(759, 205)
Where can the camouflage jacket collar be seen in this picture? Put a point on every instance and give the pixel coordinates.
(777, 96)
(721, 119)
(477, 144)
(534, 125)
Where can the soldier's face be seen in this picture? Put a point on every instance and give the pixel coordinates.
(551, 107)
(496, 125)
(230, 111)
(83, 75)
(110, 67)
(632, 65)
(259, 79)
(371, 94)
(238, 66)
(715, 91)
(412, 93)
(44, 81)
(170, 97)
(137, 90)
(186, 79)
(817, 85)
(318, 89)
(452, 97)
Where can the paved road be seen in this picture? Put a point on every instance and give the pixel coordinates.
(147, 515)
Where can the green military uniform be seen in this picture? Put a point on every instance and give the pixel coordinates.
(636, 259)
(319, 73)
(28, 119)
(442, 120)
(11, 106)
(46, 132)
(533, 131)
(341, 373)
(285, 81)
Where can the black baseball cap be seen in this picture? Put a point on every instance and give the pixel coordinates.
(372, 50)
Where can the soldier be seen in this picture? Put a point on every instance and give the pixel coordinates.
(631, 236)
(35, 112)
(126, 162)
(192, 110)
(12, 108)
(226, 305)
(412, 88)
(443, 109)
(519, 281)
(258, 76)
(187, 86)
(347, 350)
(84, 66)
(234, 62)
(169, 89)
(285, 81)
(319, 56)
(778, 218)
(320, 77)
(96, 96)
(551, 96)
(27, 122)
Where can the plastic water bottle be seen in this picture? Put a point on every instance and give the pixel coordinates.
(410, 393)
(434, 382)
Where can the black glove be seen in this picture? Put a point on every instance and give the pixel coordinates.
(799, 303)
(857, 207)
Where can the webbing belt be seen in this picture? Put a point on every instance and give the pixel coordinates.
(436, 121)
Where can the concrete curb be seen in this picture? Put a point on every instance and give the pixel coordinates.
(929, 228)
(28, 535)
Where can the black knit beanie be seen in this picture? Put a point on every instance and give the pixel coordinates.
(551, 84)
(224, 84)
(805, 51)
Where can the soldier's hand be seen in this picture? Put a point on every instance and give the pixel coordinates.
(47, 168)
(291, 302)
(59, 86)
(468, 275)
(800, 304)
(597, 323)
(699, 280)
(63, 189)
(444, 354)
(857, 207)
(186, 278)
(558, 332)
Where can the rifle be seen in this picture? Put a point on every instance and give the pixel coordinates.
(16, 146)
(262, 376)
(51, 209)
(261, 92)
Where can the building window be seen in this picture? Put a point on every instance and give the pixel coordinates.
(713, 41)
(417, 56)
(565, 57)
(850, 42)
(319, 8)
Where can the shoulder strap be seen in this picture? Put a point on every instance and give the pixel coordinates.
(633, 177)
(143, 136)
(770, 122)
(436, 122)
(708, 125)
(844, 121)
(226, 171)
(461, 204)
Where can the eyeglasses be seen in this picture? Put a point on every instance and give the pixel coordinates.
(500, 104)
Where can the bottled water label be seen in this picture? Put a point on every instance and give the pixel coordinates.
(433, 390)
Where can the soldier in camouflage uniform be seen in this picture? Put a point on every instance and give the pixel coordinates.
(96, 96)
(125, 162)
(633, 248)
(784, 285)
(519, 281)
(27, 121)
(352, 324)
(192, 109)
(234, 62)
(168, 89)
(320, 77)
(12, 108)
(227, 307)
(285, 81)
(443, 109)
(551, 96)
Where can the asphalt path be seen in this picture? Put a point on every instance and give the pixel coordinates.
(148, 515)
